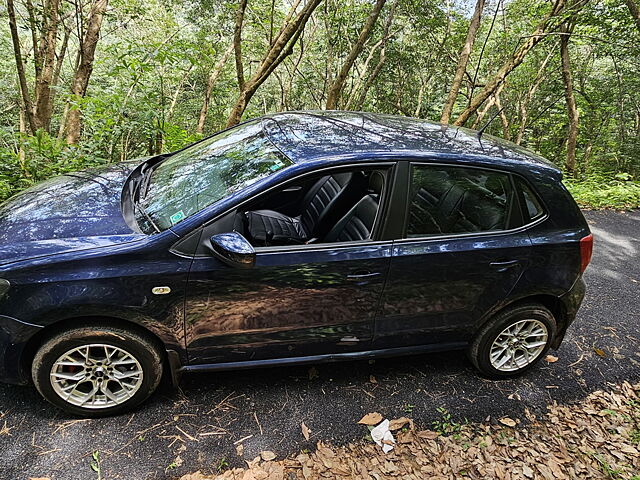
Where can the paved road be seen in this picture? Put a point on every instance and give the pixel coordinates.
(179, 432)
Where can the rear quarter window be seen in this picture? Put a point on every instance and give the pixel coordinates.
(532, 206)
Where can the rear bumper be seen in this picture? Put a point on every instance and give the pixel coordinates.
(571, 302)
(14, 336)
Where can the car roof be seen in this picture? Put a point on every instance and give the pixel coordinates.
(314, 135)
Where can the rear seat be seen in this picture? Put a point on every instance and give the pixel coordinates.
(426, 215)
(450, 205)
(479, 209)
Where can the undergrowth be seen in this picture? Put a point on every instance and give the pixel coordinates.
(619, 191)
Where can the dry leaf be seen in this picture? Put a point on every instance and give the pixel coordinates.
(240, 450)
(628, 449)
(305, 431)
(551, 359)
(190, 476)
(398, 423)
(371, 419)
(600, 352)
(508, 422)
(267, 455)
(551, 447)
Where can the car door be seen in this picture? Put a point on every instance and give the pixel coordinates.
(459, 255)
(296, 301)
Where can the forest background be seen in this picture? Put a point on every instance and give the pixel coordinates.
(90, 82)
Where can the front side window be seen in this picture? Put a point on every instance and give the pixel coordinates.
(207, 172)
(453, 200)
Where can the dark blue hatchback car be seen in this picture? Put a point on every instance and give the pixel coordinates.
(297, 237)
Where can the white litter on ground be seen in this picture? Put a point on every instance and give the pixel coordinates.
(383, 436)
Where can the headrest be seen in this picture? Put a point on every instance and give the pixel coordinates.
(494, 184)
(376, 182)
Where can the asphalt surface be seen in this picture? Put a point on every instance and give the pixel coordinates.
(177, 432)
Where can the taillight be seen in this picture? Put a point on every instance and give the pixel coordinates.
(586, 249)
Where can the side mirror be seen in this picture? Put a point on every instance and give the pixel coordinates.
(233, 249)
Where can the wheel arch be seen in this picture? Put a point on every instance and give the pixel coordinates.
(37, 340)
(551, 302)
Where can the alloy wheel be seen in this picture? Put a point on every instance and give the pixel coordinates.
(518, 345)
(96, 376)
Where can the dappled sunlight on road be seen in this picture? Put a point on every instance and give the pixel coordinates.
(610, 251)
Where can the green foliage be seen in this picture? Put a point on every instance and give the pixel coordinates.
(223, 465)
(446, 425)
(598, 190)
(36, 158)
(154, 59)
(95, 464)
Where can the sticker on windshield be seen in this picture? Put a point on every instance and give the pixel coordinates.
(277, 165)
(176, 217)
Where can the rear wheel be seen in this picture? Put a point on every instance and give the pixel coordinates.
(96, 371)
(513, 341)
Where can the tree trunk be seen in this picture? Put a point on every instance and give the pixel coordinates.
(465, 53)
(85, 67)
(281, 48)
(635, 11)
(548, 24)
(176, 93)
(26, 105)
(237, 43)
(60, 59)
(487, 106)
(33, 26)
(22, 157)
(416, 113)
(358, 83)
(506, 134)
(524, 104)
(335, 89)
(43, 106)
(572, 110)
(213, 78)
(370, 80)
(363, 89)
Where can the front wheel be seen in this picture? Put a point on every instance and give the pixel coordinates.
(513, 341)
(96, 371)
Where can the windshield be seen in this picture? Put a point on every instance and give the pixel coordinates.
(206, 172)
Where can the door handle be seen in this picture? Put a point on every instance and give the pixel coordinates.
(362, 275)
(505, 265)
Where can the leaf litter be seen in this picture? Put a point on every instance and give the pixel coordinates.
(306, 431)
(371, 419)
(588, 440)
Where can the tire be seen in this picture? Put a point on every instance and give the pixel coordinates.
(123, 369)
(505, 325)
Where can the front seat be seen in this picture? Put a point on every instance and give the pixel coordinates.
(357, 224)
(327, 199)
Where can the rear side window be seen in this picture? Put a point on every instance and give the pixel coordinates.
(454, 200)
(533, 208)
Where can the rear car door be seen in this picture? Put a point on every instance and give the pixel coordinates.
(460, 255)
